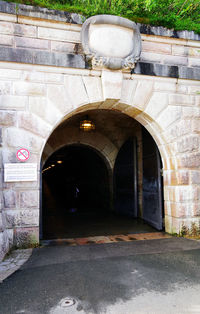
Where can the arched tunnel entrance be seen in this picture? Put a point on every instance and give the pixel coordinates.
(76, 189)
(104, 182)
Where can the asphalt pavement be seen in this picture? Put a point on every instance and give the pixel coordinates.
(148, 276)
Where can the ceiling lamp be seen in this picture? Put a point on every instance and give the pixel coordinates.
(87, 124)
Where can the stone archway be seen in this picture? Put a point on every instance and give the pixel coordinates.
(159, 104)
(138, 98)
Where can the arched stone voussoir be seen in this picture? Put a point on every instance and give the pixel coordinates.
(58, 96)
(75, 89)
(34, 124)
(93, 88)
(45, 109)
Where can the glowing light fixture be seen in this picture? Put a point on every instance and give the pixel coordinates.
(87, 124)
(59, 161)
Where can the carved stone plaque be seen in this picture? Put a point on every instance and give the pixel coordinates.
(111, 42)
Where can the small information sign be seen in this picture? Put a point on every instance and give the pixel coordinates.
(20, 172)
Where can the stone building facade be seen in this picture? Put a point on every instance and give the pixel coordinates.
(45, 81)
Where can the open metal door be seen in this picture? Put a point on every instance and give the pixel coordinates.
(152, 182)
(125, 179)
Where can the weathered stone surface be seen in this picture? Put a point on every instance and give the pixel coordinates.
(7, 7)
(156, 69)
(29, 199)
(181, 210)
(10, 198)
(24, 30)
(6, 40)
(178, 50)
(140, 98)
(6, 28)
(26, 237)
(112, 84)
(194, 62)
(1, 140)
(173, 178)
(178, 99)
(34, 124)
(43, 77)
(165, 86)
(156, 47)
(29, 89)
(186, 193)
(15, 137)
(162, 31)
(4, 244)
(157, 103)
(12, 102)
(77, 98)
(17, 29)
(2, 225)
(55, 34)
(35, 43)
(94, 88)
(195, 177)
(169, 116)
(10, 73)
(188, 144)
(174, 60)
(33, 56)
(190, 161)
(46, 109)
(196, 125)
(9, 156)
(21, 218)
(183, 177)
(7, 118)
(190, 112)
(58, 97)
(44, 13)
(128, 90)
(10, 237)
(189, 73)
(62, 47)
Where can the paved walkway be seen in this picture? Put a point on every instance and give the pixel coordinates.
(13, 262)
(18, 257)
(159, 276)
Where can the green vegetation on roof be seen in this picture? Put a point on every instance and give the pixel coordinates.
(176, 14)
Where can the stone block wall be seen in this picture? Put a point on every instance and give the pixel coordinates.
(44, 79)
(29, 36)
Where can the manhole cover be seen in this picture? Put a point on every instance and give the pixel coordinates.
(67, 302)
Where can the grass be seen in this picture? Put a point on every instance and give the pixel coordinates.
(174, 14)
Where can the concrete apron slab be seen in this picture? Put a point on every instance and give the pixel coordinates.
(60, 254)
(150, 243)
(149, 276)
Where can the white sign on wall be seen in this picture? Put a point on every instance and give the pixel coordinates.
(20, 172)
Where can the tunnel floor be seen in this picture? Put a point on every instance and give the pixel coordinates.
(87, 224)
